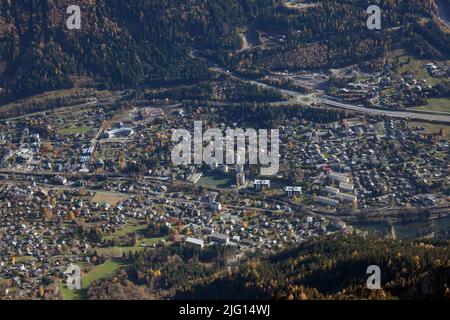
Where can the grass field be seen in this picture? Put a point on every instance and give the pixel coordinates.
(68, 294)
(124, 231)
(22, 259)
(151, 241)
(75, 130)
(415, 66)
(216, 180)
(436, 104)
(107, 153)
(429, 127)
(116, 252)
(99, 272)
(96, 273)
(107, 197)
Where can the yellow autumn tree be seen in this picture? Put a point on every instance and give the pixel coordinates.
(48, 214)
(122, 162)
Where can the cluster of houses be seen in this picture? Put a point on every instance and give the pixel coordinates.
(34, 251)
(364, 163)
(438, 70)
(343, 192)
(260, 232)
(50, 142)
(50, 219)
(388, 91)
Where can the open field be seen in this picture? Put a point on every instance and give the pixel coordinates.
(99, 272)
(75, 129)
(23, 259)
(96, 273)
(109, 198)
(107, 153)
(216, 180)
(152, 241)
(116, 252)
(68, 294)
(124, 231)
(436, 104)
(430, 127)
(63, 100)
(415, 66)
(50, 95)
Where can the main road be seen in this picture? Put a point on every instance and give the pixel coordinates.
(296, 97)
(395, 114)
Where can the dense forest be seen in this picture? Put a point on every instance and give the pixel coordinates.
(159, 273)
(221, 89)
(149, 42)
(121, 43)
(330, 268)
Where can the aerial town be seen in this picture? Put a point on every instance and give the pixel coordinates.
(356, 116)
(98, 181)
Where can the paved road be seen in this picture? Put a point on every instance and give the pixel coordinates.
(295, 96)
(177, 200)
(394, 114)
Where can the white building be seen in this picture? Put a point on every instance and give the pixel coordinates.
(220, 238)
(198, 243)
(339, 177)
(348, 187)
(119, 133)
(289, 191)
(331, 190)
(265, 184)
(347, 197)
(216, 206)
(327, 201)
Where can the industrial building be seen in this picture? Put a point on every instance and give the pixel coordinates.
(198, 243)
(327, 201)
(119, 133)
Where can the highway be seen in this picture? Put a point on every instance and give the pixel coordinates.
(296, 97)
(394, 114)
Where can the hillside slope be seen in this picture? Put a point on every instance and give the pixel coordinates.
(121, 43)
(329, 268)
(147, 42)
(335, 268)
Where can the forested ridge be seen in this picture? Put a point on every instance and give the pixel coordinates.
(121, 43)
(330, 268)
(148, 42)
(335, 268)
